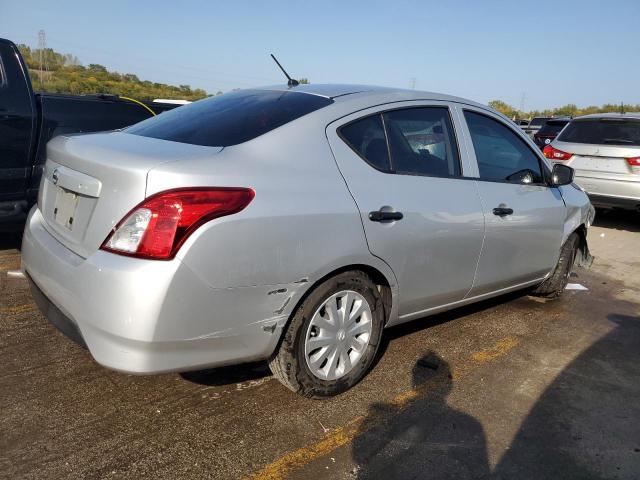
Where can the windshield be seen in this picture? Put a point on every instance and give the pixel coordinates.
(229, 119)
(552, 127)
(603, 131)
(537, 122)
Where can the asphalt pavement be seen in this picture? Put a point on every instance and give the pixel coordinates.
(514, 387)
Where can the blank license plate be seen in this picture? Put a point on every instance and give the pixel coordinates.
(65, 207)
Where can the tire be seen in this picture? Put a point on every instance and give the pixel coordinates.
(291, 362)
(553, 286)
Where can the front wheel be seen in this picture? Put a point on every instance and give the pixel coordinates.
(332, 338)
(553, 286)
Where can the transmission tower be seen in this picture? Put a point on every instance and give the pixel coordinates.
(42, 45)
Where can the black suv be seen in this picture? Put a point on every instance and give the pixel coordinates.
(549, 131)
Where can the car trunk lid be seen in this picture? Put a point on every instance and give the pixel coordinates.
(92, 181)
(599, 159)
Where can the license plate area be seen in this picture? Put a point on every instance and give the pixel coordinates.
(65, 206)
(602, 164)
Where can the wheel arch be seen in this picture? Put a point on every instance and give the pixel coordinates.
(584, 258)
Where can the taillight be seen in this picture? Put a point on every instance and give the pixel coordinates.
(634, 163)
(158, 226)
(555, 154)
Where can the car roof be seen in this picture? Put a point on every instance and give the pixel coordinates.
(344, 92)
(614, 115)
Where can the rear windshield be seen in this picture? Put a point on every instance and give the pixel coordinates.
(553, 127)
(603, 131)
(537, 121)
(229, 119)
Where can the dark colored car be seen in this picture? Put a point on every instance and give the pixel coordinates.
(28, 120)
(549, 131)
(534, 125)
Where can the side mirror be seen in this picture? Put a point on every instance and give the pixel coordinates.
(561, 175)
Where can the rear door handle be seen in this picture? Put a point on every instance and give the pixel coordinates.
(382, 216)
(502, 211)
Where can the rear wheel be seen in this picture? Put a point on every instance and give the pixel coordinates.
(332, 338)
(553, 286)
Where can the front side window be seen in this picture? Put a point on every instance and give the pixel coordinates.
(501, 154)
(422, 142)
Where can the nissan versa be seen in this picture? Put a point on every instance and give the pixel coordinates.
(294, 225)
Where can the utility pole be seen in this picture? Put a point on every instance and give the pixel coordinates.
(522, 99)
(413, 83)
(42, 45)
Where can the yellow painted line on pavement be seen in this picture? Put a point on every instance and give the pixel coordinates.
(498, 350)
(343, 435)
(18, 308)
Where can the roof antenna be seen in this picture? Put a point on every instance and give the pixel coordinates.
(291, 82)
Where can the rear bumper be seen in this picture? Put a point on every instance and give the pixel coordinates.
(141, 316)
(604, 192)
(615, 202)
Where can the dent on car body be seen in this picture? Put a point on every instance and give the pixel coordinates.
(579, 212)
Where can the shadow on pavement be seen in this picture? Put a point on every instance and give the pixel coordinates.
(586, 424)
(426, 439)
(618, 220)
(10, 240)
(228, 375)
(583, 426)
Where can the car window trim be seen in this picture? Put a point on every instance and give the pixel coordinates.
(392, 171)
(3, 76)
(541, 164)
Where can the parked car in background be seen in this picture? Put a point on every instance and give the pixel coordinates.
(549, 131)
(293, 224)
(521, 122)
(29, 120)
(604, 150)
(534, 125)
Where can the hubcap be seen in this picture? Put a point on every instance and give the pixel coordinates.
(338, 335)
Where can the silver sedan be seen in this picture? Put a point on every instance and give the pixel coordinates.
(293, 225)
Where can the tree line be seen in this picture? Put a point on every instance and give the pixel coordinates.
(566, 110)
(63, 73)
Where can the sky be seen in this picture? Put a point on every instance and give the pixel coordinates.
(537, 54)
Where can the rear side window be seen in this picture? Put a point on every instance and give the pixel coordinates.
(502, 155)
(231, 118)
(602, 131)
(367, 138)
(414, 141)
(422, 142)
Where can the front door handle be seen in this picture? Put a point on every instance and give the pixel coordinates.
(502, 211)
(382, 216)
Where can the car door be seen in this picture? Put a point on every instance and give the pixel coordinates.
(420, 215)
(17, 124)
(524, 215)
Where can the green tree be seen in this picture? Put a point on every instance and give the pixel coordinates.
(503, 108)
(63, 73)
